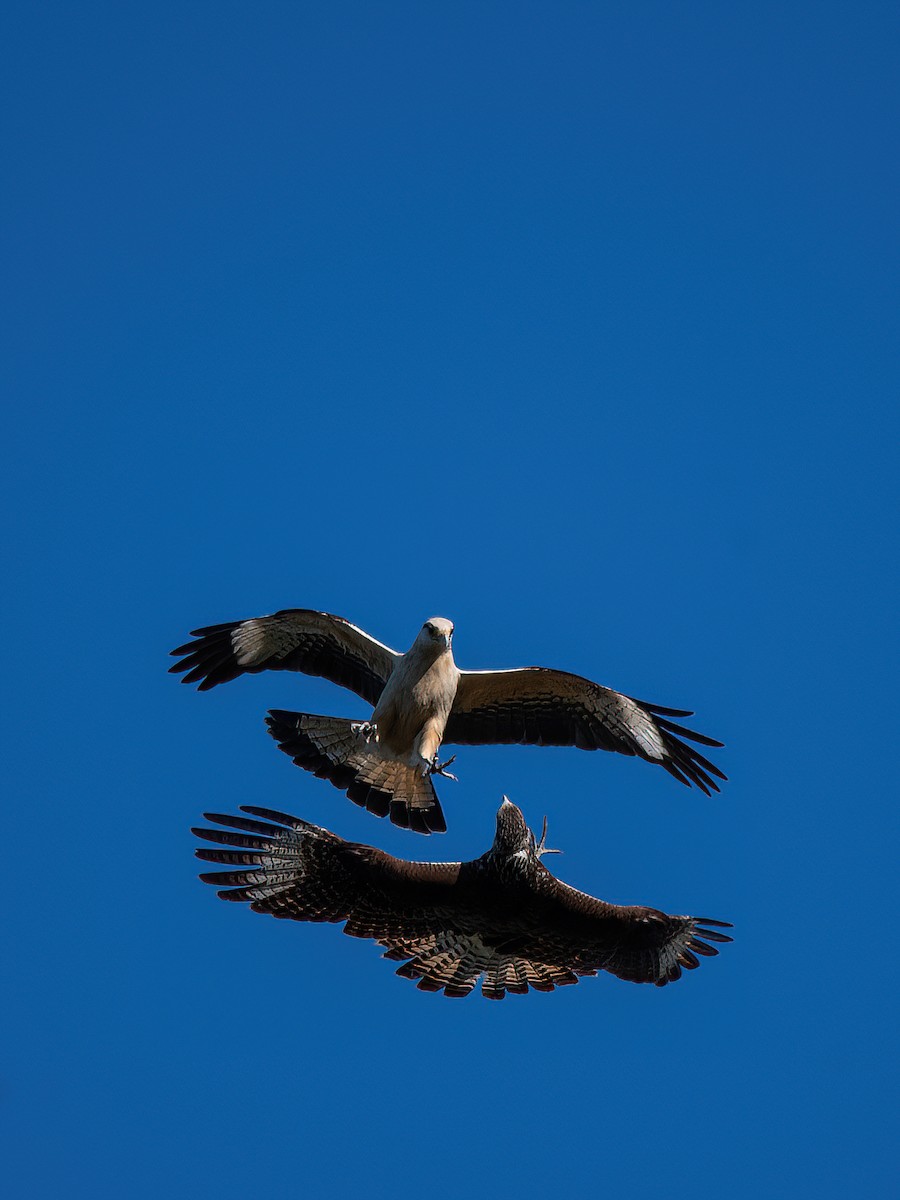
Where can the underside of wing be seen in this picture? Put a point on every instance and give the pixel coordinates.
(542, 707)
(635, 943)
(674, 943)
(447, 924)
(453, 961)
(421, 913)
(278, 864)
(286, 867)
(295, 639)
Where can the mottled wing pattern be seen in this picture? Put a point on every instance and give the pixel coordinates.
(438, 919)
(642, 945)
(538, 706)
(295, 639)
(544, 949)
(289, 868)
(294, 870)
(454, 961)
(282, 866)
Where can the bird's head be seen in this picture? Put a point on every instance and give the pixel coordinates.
(437, 631)
(514, 839)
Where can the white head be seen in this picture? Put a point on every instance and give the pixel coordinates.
(437, 631)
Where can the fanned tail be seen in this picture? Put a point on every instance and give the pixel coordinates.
(337, 750)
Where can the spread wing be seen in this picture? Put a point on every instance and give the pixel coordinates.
(290, 868)
(295, 639)
(537, 706)
(642, 945)
(444, 922)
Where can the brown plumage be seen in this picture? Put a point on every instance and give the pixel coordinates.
(502, 918)
(421, 700)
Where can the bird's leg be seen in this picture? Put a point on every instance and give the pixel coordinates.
(437, 768)
(541, 848)
(366, 730)
(426, 747)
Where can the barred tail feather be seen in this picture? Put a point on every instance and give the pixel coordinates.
(452, 962)
(334, 749)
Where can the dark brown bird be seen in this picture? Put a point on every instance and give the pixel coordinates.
(502, 918)
(421, 699)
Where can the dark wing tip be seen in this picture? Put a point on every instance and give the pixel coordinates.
(677, 774)
(270, 813)
(691, 734)
(711, 935)
(660, 710)
(278, 818)
(685, 762)
(233, 821)
(280, 716)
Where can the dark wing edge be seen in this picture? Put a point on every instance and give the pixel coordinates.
(280, 865)
(294, 639)
(286, 867)
(540, 706)
(634, 943)
(684, 762)
(680, 940)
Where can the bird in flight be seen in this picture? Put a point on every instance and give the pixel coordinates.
(421, 699)
(502, 918)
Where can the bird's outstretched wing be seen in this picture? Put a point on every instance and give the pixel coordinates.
(538, 706)
(290, 868)
(295, 639)
(642, 945)
(448, 924)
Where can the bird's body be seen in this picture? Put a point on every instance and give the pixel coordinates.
(421, 699)
(502, 917)
(412, 711)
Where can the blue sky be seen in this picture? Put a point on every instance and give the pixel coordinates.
(575, 323)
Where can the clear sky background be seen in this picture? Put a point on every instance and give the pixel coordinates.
(575, 323)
